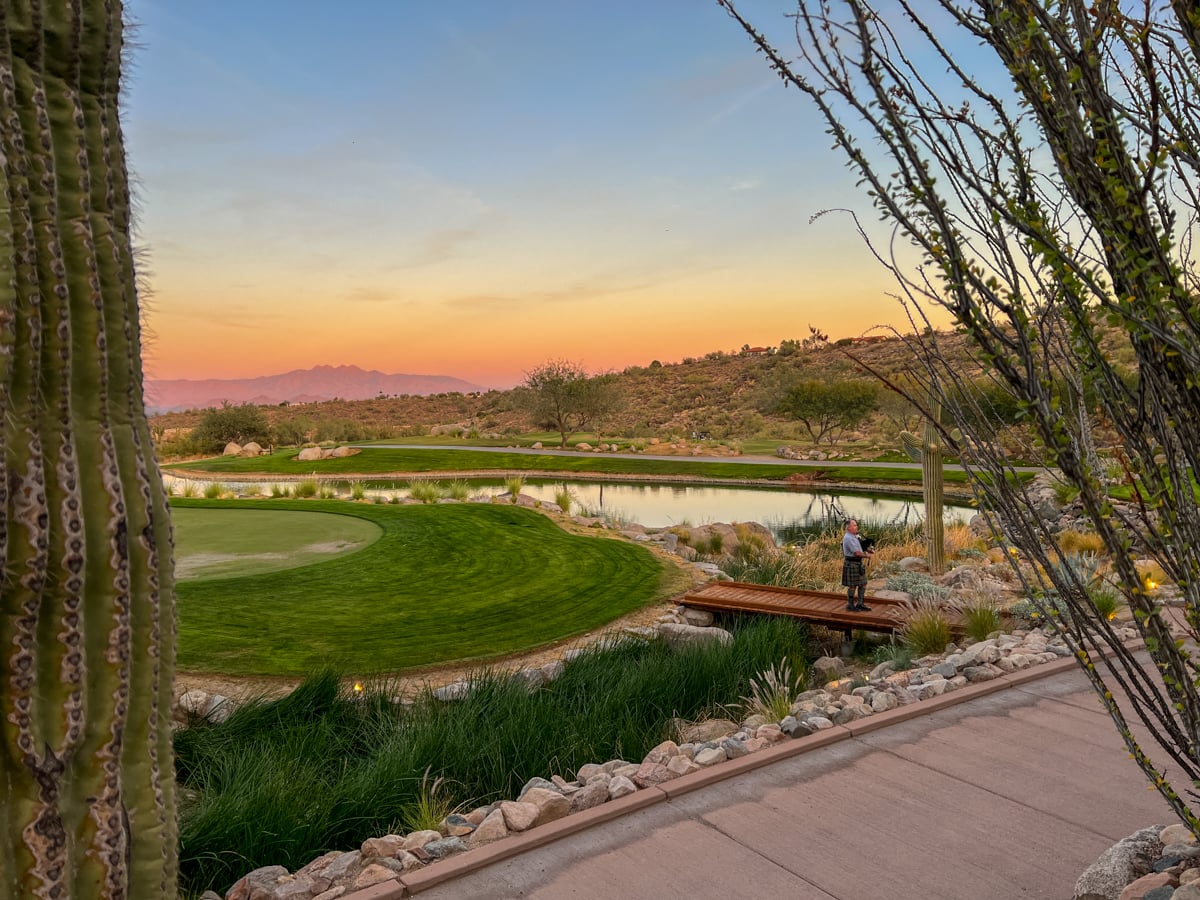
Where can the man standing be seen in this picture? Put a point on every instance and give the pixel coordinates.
(854, 568)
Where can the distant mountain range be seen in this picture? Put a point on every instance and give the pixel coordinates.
(300, 386)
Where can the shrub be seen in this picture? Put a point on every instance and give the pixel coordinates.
(189, 489)
(920, 585)
(240, 424)
(357, 491)
(900, 655)
(430, 806)
(213, 490)
(306, 488)
(1071, 541)
(563, 498)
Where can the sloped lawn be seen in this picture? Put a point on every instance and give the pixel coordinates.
(442, 583)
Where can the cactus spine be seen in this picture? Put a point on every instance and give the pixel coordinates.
(928, 452)
(86, 592)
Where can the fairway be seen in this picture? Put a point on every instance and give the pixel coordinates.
(222, 543)
(442, 583)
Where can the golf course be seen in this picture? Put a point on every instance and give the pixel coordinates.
(286, 587)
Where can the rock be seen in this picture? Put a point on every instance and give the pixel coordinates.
(453, 691)
(491, 829)
(232, 449)
(690, 635)
(1120, 864)
(1150, 887)
(455, 825)
(708, 730)
(898, 596)
(308, 454)
(1176, 834)
(418, 839)
(827, 668)
(260, 880)
(700, 618)
(373, 874)
(445, 847)
(650, 774)
(710, 756)
(550, 804)
(589, 795)
(519, 816)
(388, 845)
(620, 786)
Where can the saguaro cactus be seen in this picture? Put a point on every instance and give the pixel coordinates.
(928, 452)
(86, 608)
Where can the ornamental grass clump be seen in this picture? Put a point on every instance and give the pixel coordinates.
(927, 630)
(512, 486)
(458, 490)
(306, 488)
(213, 491)
(425, 491)
(772, 692)
(981, 618)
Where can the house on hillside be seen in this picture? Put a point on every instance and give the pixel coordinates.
(755, 351)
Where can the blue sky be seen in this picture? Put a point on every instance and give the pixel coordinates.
(470, 188)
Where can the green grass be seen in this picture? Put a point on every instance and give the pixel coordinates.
(282, 782)
(381, 461)
(441, 584)
(225, 543)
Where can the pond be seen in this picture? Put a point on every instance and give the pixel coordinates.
(786, 511)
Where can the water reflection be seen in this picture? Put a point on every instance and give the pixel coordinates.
(788, 512)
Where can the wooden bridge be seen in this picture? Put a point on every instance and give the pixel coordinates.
(819, 607)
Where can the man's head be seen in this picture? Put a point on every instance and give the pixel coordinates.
(852, 526)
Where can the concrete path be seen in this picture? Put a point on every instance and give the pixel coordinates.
(1009, 794)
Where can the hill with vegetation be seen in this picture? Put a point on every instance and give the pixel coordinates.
(722, 396)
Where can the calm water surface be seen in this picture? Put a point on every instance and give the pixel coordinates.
(663, 505)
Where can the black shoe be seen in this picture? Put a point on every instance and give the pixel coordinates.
(862, 607)
(851, 608)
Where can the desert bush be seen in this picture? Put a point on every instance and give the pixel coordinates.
(899, 654)
(306, 488)
(920, 585)
(240, 424)
(1071, 541)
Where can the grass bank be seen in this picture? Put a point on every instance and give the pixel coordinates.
(282, 782)
(394, 462)
(441, 583)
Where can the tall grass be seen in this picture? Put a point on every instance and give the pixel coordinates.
(214, 490)
(513, 485)
(306, 488)
(425, 491)
(458, 490)
(927, 630)
(282, 781)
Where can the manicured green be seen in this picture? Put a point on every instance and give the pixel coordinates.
(281, 782)
(225, 543)
(442, 583)
(385, 461)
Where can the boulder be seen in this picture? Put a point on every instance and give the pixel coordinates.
(232, 449)
(308, 454)
(689, 635)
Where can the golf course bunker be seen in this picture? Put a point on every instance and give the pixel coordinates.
(226, 543)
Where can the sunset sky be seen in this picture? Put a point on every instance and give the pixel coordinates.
(472, 187)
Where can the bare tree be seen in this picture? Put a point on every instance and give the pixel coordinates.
(1048, 185)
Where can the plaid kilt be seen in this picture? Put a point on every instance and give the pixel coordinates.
(854, 571)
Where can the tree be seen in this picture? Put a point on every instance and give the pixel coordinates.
(1049, 189)
(559, 394)
(87, 620)
(239, 424)
(824, 408)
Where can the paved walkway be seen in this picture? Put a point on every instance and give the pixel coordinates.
(1009, 794)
